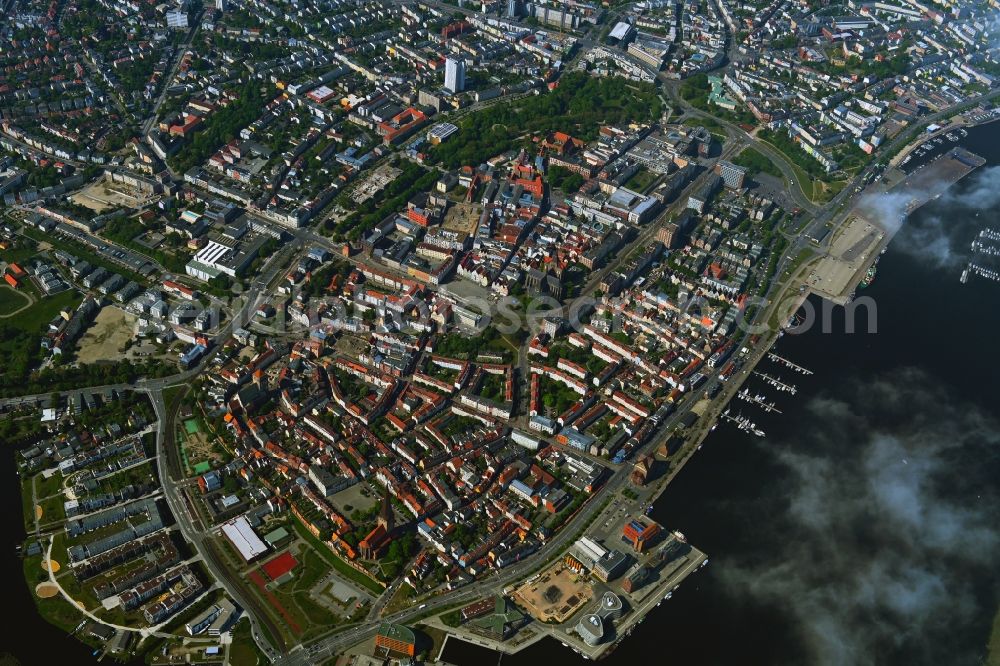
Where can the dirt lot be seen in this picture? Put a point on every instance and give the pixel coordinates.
(103, 341)
(555, 595)
(462, 217)
(349, 345)
(105, 195)
(46, 590)
(375, 183)
(351, 497)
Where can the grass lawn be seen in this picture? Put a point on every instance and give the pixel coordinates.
(757, 162)
(59, 612)
(269, 637)
(244, 651)
(400, 600)
(492, 387)
(83, 252)
(556, 397)
(641, 180)
(82, 592)
(294, 596)
(25, 327)
(823, 192)
(781, 310)
(33, 572)
(792, 156)
(812, 186)
(707, 123)
(280, 622)
(94, 535)
(60, 542)
(176, 623)
(39, 315)
(225, 550)
(134, 475)
(803, 256)
(436, 638)
(55, 610)
(172, 394)
(49, 486)
(11, 300)
(993, 656)
(26, 505)
(18, 255)
(53, 510)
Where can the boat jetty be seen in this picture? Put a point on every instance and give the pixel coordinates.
(759, 400)
(777, 383)
(788, 364)
(743, 423)
(982, 249)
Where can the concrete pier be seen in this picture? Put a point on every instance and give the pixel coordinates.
(870, 225)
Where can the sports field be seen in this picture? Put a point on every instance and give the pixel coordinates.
(279, 566)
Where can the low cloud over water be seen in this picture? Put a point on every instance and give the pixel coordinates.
(889, 525)
(940, 237)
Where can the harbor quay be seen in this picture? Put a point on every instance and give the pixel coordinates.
(589, 600)
(879, 214)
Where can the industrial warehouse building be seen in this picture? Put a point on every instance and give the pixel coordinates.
(244, 539)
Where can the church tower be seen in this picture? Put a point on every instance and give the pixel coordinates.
(385, 516)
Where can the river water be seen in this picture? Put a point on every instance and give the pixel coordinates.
(862, 530)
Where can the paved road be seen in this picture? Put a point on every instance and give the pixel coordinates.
(333, 644)
(178, 56)
(787, 170)
(116, 97)
(98, 238)
(839, 207)
(325, 648)
(39, 151)
(165, 450)
(166, 453)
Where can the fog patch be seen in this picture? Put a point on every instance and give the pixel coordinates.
(890, 541)
(941, 236)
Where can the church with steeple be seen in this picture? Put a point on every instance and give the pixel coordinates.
(373, 545)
